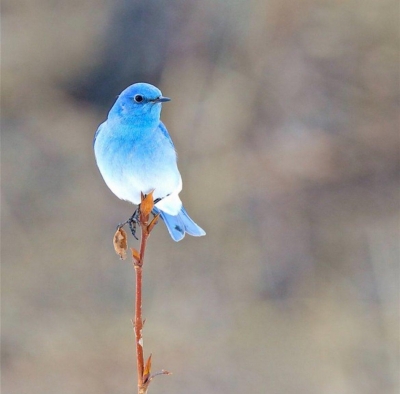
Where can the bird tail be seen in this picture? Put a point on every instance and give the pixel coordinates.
(180, 224)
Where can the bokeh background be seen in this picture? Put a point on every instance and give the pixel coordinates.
(285, 118)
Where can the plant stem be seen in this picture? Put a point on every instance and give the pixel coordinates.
(144, 376)
(138, 325)
(138, 320)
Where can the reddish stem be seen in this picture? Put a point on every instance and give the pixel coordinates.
(138, 325)
(143, 371)
(138, 320)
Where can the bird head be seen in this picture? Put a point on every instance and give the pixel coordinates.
(140, 100)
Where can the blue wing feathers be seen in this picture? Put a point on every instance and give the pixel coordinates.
(165, 132)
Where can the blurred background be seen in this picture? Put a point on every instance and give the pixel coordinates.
(285, 118)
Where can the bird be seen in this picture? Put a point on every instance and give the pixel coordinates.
(135, 155)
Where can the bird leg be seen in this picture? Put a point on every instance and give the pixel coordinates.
(153, 212)
(134, 219)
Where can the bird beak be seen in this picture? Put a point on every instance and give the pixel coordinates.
(161, 99)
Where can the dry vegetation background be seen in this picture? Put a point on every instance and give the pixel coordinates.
(285, 117)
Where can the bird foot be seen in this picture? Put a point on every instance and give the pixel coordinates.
(132, 222)
(134, 219)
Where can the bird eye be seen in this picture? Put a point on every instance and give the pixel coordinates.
(138, 98)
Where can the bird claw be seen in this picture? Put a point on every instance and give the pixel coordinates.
(134, 219)
(131, 222)
(132, 226)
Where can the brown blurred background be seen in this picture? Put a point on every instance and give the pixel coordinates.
(285, 118)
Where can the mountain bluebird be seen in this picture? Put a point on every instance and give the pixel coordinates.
(135, 155)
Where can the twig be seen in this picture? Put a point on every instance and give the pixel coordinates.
(144, 376)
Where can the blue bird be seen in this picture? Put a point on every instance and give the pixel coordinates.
(135, 155)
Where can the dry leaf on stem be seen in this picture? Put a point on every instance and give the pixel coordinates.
(120, 242)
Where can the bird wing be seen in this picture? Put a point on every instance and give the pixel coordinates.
(165, 132)
(97, 133)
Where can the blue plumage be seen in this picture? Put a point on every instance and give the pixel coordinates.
(135, 154)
